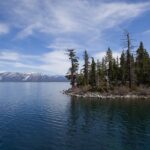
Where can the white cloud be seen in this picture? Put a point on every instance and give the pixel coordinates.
(64, 44)
(80, 17)
(147, 32)
(10, 56)
(27, 31)
(78, 24)
(4, 29)
(54, 62)
(100, 55)
(75, 24)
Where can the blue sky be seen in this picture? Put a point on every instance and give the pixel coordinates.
(34, 34)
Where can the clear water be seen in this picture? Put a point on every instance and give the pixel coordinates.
(37, 116)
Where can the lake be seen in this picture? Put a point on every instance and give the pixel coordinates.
(37, 116)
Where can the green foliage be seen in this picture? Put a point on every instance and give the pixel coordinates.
(142, 65)
(86, 68)
(80, 79)
(93, 73)
(109, 60)
(72, 73)
(123, 68)
(110, 72)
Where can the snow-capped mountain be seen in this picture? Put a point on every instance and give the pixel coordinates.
(29, 77)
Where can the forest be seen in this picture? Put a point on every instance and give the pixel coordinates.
(128, 71)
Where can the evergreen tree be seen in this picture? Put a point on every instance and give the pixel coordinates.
(117, 68)
(93, 74)
(72, 73)
(104, 66)
(86, 67)
(98, 73)
(80, 79)
(142, 65)
(129, 64)
(109, 62)
(123, 67)
(115, 72)
(103, 71)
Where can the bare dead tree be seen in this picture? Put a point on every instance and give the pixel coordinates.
(129, 60)
(129, 47)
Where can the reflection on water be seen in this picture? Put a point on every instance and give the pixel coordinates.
(37, 116)
(110, 124)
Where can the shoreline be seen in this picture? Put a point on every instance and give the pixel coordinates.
(99, 95)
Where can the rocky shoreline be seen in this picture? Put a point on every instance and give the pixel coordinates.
(105, 95)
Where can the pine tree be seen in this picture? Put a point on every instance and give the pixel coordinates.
(103, 71)
(117, 69)
(86, 68)
(98, 73)
(72, 73)
(142, 65)
(80, 79)
(115, 72)
(93, 74)
(104, 68)
(123, 68)
(130, 69)
(109, 62)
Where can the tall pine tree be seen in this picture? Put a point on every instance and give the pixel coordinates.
(142, 65)
(93, 74)
(123, 67)
(109, 63)
(72, 73)
(86, 68)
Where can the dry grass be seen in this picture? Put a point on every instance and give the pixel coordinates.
(119, 90)
(124, 90)
(142, 90)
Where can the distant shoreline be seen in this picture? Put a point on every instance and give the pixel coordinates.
(31, 81)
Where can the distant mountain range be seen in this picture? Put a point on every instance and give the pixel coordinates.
(30, 77)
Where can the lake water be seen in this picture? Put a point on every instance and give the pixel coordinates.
(37, 116)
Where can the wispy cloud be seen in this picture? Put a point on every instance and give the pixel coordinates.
(100, 55)
(77, 17)
(76, 24)
(64, 43)
(79, 24)
(9, 56)
(147, 32)
(4, 29)
(55, 62)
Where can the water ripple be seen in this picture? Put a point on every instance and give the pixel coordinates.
(36, 116)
